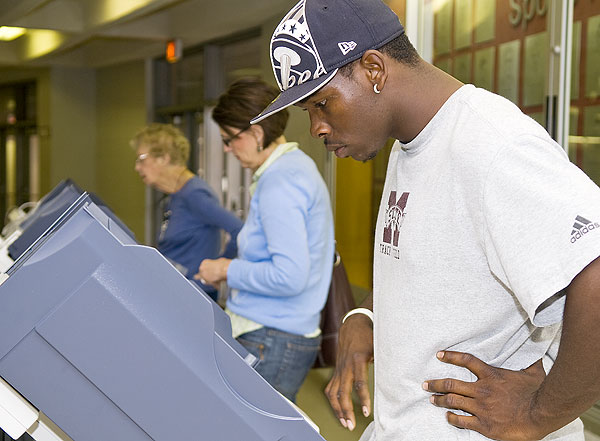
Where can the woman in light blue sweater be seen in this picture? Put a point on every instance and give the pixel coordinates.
(280, 280)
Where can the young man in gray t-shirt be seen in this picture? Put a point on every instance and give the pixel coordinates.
(486, 293)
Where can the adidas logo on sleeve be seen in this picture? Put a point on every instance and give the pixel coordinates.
(581, 227)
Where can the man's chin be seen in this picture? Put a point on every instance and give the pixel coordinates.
(371, 156)
(364, 157)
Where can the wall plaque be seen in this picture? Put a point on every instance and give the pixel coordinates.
(483, 75)
(508, 70)
(535, 68)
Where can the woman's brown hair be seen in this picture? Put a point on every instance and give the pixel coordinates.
(245, 99)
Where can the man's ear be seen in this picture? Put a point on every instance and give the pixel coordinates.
(374, 65)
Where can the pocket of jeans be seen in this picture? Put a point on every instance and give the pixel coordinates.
(305, 346)
(256, 349)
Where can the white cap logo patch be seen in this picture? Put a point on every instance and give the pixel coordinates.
(293, 54)
(347, 46)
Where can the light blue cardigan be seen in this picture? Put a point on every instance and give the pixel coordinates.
(285, 248)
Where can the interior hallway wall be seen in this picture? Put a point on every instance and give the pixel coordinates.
(72, 126)
(120, 113)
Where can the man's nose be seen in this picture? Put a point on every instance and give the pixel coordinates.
(318, 128)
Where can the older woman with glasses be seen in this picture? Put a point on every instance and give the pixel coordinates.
(280, 280)
(193, 218)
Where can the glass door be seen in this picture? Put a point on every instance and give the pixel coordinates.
(19, 152)
(584, 122)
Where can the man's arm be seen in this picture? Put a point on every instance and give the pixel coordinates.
(355, 351)
(527, 405)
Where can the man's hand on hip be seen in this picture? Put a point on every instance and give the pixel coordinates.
(501, 402)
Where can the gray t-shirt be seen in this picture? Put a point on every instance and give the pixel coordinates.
(483, 222)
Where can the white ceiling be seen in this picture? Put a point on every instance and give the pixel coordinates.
(96, 33)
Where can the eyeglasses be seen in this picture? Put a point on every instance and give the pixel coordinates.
(228, 141)
(141, 157)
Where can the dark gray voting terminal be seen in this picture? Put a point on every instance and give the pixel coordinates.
(111, 342)
(48, 210)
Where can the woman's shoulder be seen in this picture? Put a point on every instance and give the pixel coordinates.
(293, 163)
(196, 187)
(294, 171)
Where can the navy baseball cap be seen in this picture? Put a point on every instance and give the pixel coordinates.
(316, 37)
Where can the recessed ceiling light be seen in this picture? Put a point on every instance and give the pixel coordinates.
(8, 33)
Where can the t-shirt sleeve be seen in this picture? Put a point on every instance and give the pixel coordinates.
(541, 224)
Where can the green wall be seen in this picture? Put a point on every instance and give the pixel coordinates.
(120, 112)
(72, 126)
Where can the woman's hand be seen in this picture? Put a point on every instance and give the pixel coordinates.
(211, 272)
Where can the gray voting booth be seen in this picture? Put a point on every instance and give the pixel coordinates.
(110, 342)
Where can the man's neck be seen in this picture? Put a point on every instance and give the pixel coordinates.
(427, 90)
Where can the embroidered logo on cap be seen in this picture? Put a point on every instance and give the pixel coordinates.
(293, 54)
(347, 46)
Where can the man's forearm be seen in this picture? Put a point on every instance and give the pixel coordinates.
(573, 383)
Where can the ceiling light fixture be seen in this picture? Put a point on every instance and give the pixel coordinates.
(8, 33)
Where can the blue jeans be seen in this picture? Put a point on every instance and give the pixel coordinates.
(285, 358)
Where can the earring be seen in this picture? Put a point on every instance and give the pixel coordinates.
(259, 148)
(375, 89)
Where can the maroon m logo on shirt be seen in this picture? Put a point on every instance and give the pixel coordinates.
(394, 215)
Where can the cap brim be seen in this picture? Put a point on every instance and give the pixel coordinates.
(293, 95)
